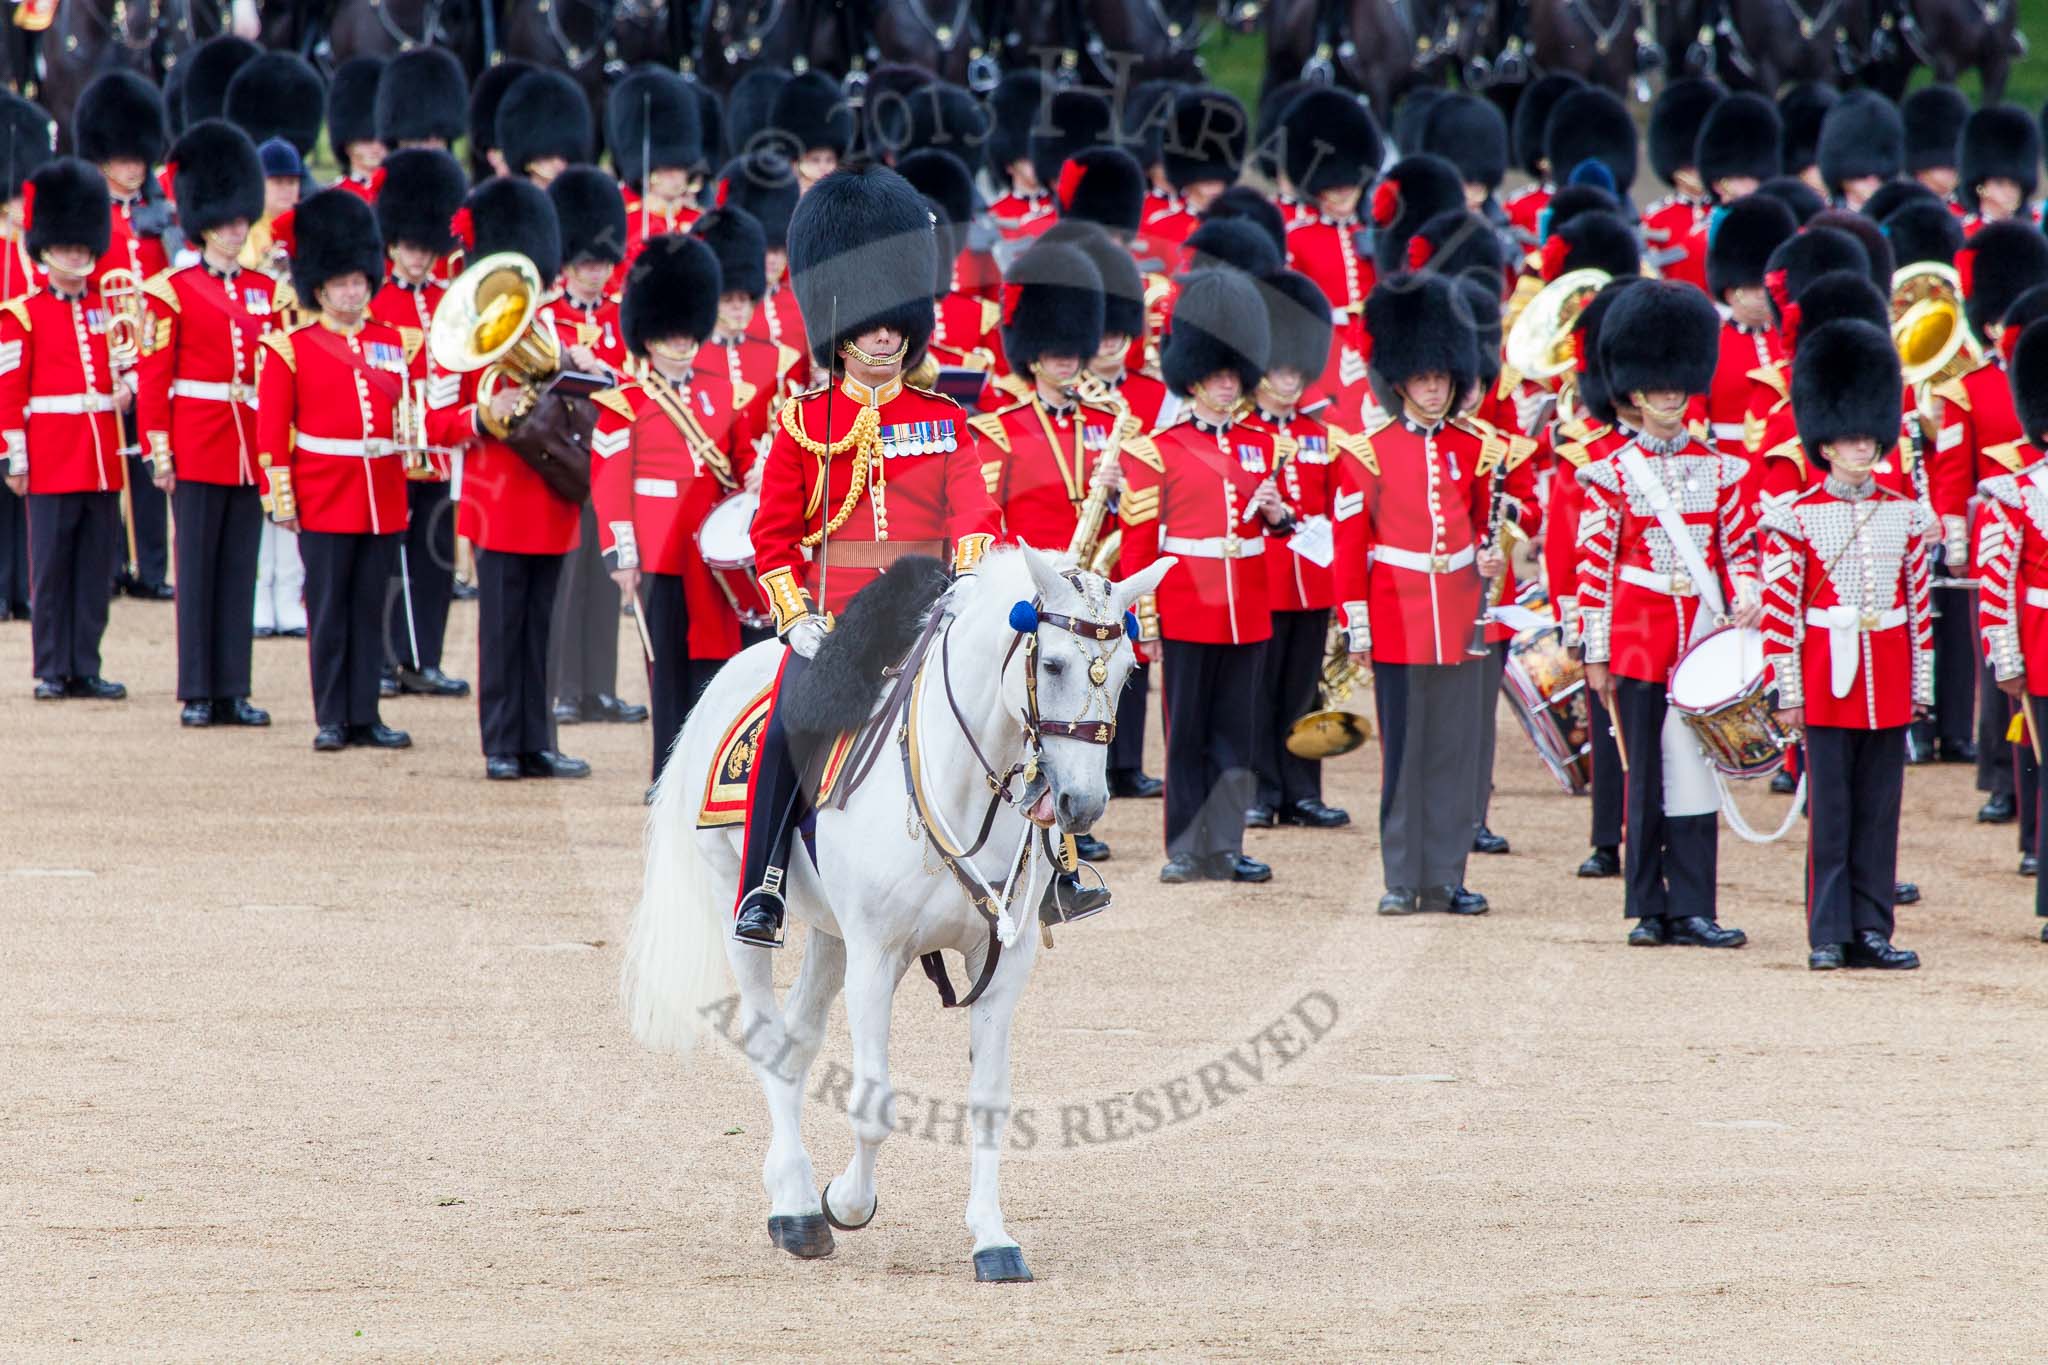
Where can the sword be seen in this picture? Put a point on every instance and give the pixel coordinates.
(640, 624)
(412, 634)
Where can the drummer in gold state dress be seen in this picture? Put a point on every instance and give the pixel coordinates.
(1846, 629)
(1665, 555)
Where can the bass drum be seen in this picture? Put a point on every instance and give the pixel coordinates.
(727, 547)
(1547, 688)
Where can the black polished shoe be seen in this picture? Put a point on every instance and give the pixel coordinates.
(1066, 900)
(1464, 902)
(430, 682)
(1261, 817)
(502, 768)
(1604, 861)
(1872, 949)
(465, 591)
(1955, 751)
(1400, 900)
(548, 763)
(153, 592)
(1697, 931)
(1485, 840)
(387, 686)
(1826, 958)
(1905, 893)
(378, 736)
(759, 921)
(1919, 748)
(568, 712)
(1235, 867)
(239, 711)
(1140, 786)
(330, 739)
(1783, 783)
(1998, 810)
(1313, 814)
(2030, 866)
(606, 707)
(292, 632)
(50, 689)
(196, 715)
(1090, 849)
(1648, 933)
(264, 632)
(1181, 869)
(95, 689)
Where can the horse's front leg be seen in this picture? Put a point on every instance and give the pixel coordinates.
(996, 1255)
(871, 977)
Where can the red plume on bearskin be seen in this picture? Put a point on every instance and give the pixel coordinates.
(1966, 270)
(724, 185)
(284, 232)
(28, 205)
(1013, 294)
(1072, 172)
(1419, 252)
(464, 227)
(1386, 202)
(1554, 252)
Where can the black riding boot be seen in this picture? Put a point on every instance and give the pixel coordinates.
(772, 820)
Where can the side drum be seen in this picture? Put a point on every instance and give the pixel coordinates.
(728, 551)
(1719, 690)
(1547, 688)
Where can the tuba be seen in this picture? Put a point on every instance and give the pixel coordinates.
(1933, 343)
(490, 320)
(1539, 344)
(127, 317)
(1336, 726)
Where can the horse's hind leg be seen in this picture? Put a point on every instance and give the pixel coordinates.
(871, 978)
(780, 1053)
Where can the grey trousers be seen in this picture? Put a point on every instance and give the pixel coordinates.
(1429, 762)
(1490, 668)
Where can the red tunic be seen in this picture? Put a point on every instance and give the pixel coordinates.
(757, 371)
(127, 251)
(323, 427)
(1187, 493)
(1164, 226)
(1516, 475)
(195, 398)
(364, 188)
(595, 325)
(2012, 557)
(777, 320)
(412, 307)
(1039, 465)
(967, 332)
(1979, 438)
(1327, 251)
(1579, 442)
(642, 223)
(57, 394)
(1749, 372)
(1143, 395)
(504, 505)
(1017, 215)
(1524, 209)
(1675, 223)
(1305, 460)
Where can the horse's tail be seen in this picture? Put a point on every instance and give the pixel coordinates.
(675, 963)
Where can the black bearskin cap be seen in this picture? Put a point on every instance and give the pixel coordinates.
(352, 103)
(1414, 190)
(1934, 117)
(591, 214)
(1482, 305)
(1462, 245)
(944, 116)
(1592, 124)
(1868, 235)
(1075, 120)
(1894, 195)
(861, 248)
(1676, 118)
(1532, 114)
(1806, 257)
(2000, 263)
(945, 180)
(1597, 241)
(1999, 142)
(1594, 394)
(1419, 325)
(1143, 119)
(1861, 136)
(278, 94)
(2026, 310)
(1572, 200)
(672, 290)
(810, 111)
(884, 105)
(205, 73)
(70, 207)
(764, 184)
(735, 239)
(484, 99)
(1330, 141)
(121, 115)
(511, 213)
(1739, 137)
(1012, 112)
(1660, 335)
(1472, 135)
(710, 124)
(1052, 305)
(423, 186)
(1102, 185)
(422, 98)
(1269, 149)
(1235, 243)
(1123, 288)
(334, 234)
(1205, 138)
(1801, 111)
(543, 114)
(1742, 238)
(2028, 370)
(217, 177)
(1846, 383)
(1924, 231)
(1837, 296)
(651, 123)
(26, 135)
(1245, 204)
(1298, 323)
(750, 108)
(1796, 195)
(1411, 117)
(1219, 323)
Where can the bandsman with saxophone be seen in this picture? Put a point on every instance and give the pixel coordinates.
(60, 401)
(196, 408)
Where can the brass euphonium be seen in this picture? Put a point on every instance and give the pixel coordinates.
(1928, 330)
(1539, 343)
(1337, 725)
(489, 320)
(127, 317)
(1090, 549)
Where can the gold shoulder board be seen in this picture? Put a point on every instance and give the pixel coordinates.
(411, 338)
(991, 427)
(1520, 448)
(1359, 447)
(19, 307)
(280, 344)
(991, 316)
(1145, 451)
(786, 358)
(611, 400)
(158, 287)
(2012, 455)
(1953, 392)
(1789, 450)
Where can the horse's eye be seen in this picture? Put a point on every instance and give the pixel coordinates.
(1055, 667)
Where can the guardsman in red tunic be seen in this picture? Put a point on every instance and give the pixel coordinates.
(1203, 491)
(1935, 116)
(422, 189)
(196, 409)
(1675, 227)
(965, 326)
(1333, 153)
(544, 126)
(1300, 588)
(1862, 145)
(2001, 161)
(1026, 208)
(59, 397)
(2012, 557)
(327, 395)
(1413, 553)
(667, 449)
(764, 184)
(655, 132)
(862, 474)
(31, 129)
(1737, 149)
(1847, 631)
(1749, 231)
(1525, 206)
(1666, 555)
(1202, 152)
(758, 371)
(352, 126)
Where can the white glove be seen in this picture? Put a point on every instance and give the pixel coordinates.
(805, 636)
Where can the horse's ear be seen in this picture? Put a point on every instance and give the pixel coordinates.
(1045, 574)
(1123, 595)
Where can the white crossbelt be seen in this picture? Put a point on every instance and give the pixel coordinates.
(1845, 627)
(1670, 584)
(214, 393)
(372, 448)
(655, 488)
(71, 403)
(1728, 431)
(1214, 547)
(1420, 562)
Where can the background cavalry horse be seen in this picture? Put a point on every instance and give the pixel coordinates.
(997, 685)
(1762, 44)
(91, 36)
(1380, 48)
(1951, 37)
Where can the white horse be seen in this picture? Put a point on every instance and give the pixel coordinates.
(880, 896)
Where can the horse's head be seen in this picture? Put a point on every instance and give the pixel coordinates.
(1077, 654)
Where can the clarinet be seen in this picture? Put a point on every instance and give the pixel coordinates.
(1496, 513)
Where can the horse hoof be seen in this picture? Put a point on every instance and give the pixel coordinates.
(802, 1234)
(1000, 1265)
(825, 1203)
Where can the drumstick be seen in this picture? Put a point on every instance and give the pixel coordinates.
(640, 624)
(2033, 734)
(1614, 728)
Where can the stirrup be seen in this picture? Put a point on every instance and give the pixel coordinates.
(1052, 908)
(760, 898)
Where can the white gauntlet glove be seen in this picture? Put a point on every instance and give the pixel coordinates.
(805, 636)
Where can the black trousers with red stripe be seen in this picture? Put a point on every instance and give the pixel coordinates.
(674, 680)
(1207, 698)
(1429, 767)
(1669, 862)
(220, 532)
(1853, 783)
